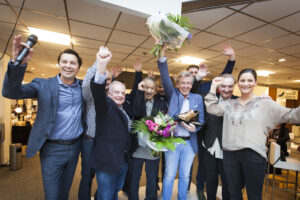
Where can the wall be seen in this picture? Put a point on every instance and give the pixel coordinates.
(5, 110)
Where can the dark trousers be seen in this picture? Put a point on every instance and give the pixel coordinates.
(58, 163)
(241, 167)
(87, 173)
(151, 167)
(214, 168)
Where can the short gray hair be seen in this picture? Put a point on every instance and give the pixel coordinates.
(184, 74)
(228, 76)
(112, 85)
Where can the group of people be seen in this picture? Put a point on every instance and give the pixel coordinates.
(93, 118)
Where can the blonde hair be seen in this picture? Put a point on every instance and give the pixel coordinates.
(184, 74)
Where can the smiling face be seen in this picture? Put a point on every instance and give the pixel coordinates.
(185, 85)
(226, 88)
(117, 92)
(149, 88)
(68, 67)
(246, 83)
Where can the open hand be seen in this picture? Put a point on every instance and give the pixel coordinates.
(116, 71)
(228, 50)
(138, 64)
(202, 72)
(18, 46)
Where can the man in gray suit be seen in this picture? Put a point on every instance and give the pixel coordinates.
(58, 125)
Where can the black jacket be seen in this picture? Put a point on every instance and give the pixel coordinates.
(112, 140)
(139, 110)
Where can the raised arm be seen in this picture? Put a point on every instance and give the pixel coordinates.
(139, 108)
(98, 85)
(211, 99)
(165, 76)
(137, 79)
(12, 85)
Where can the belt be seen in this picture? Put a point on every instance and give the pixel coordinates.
(184, 138)
(65, 142)
(86, 136)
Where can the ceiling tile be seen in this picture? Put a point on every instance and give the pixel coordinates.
(234, 44)
(189, 50)
(118, 48)
(205, 18)
(37, 20)
(272, 10)
(142, 52)
(89, 31)
(91, 13)
(290, 23)
(272, 56)
(53, 7)
(281, 42)
(6, 15)
(235, 25)
(83, 42)
(149, 43)
(133, 24)
(262, 34)
(290, 50)
(208, 54)
(204, 39)
(249, 51)
(126, 38)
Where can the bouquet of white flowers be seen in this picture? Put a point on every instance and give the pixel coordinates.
(171, 30)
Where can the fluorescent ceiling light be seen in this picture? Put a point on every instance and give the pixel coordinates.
(264, 72)
(190, 60)
(297, 81)
(282, 60)
(49, 36)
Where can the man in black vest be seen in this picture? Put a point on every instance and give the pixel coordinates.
(212, 141)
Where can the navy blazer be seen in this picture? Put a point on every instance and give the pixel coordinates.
(46, 92)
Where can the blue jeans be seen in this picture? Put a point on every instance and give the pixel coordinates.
(58, 163)
(183, 157)
(242, 167)
(110, 184)
(87, 173)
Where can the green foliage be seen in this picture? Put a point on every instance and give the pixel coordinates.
(180, 20)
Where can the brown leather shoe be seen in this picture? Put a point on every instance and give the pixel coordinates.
(190, 116)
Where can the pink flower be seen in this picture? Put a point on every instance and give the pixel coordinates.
(148, 122)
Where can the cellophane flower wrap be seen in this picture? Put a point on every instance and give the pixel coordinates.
(169, 29)
(157, 133)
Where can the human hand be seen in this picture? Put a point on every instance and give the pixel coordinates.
(103, 57)
(202, 72)
(116, 71)
(228, 50)
(150, 74)
(138, 64)
(215, 83)
(190, 127)
(141, 86)
(18, 46)
(162, 52)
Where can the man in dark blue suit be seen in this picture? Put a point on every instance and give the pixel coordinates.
(112, 139)
(58, 125)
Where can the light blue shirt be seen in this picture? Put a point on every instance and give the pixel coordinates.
(68, 123)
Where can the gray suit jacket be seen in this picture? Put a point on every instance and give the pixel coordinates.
(46, 92)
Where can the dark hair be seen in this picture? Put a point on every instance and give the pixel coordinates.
(192, 66)
(70, 51)
(248, 70)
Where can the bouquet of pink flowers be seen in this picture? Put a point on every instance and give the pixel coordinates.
(157, 132)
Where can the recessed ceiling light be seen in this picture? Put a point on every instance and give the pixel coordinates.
(297, 80)
(190, 60)
(43, 74)
(57, 65)
(264, 72)
(24, 82)
(32, 68)
(49, 36)
(281, 60)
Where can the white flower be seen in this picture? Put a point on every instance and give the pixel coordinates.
(158, 120)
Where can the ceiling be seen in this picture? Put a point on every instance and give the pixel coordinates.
(260, 32)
